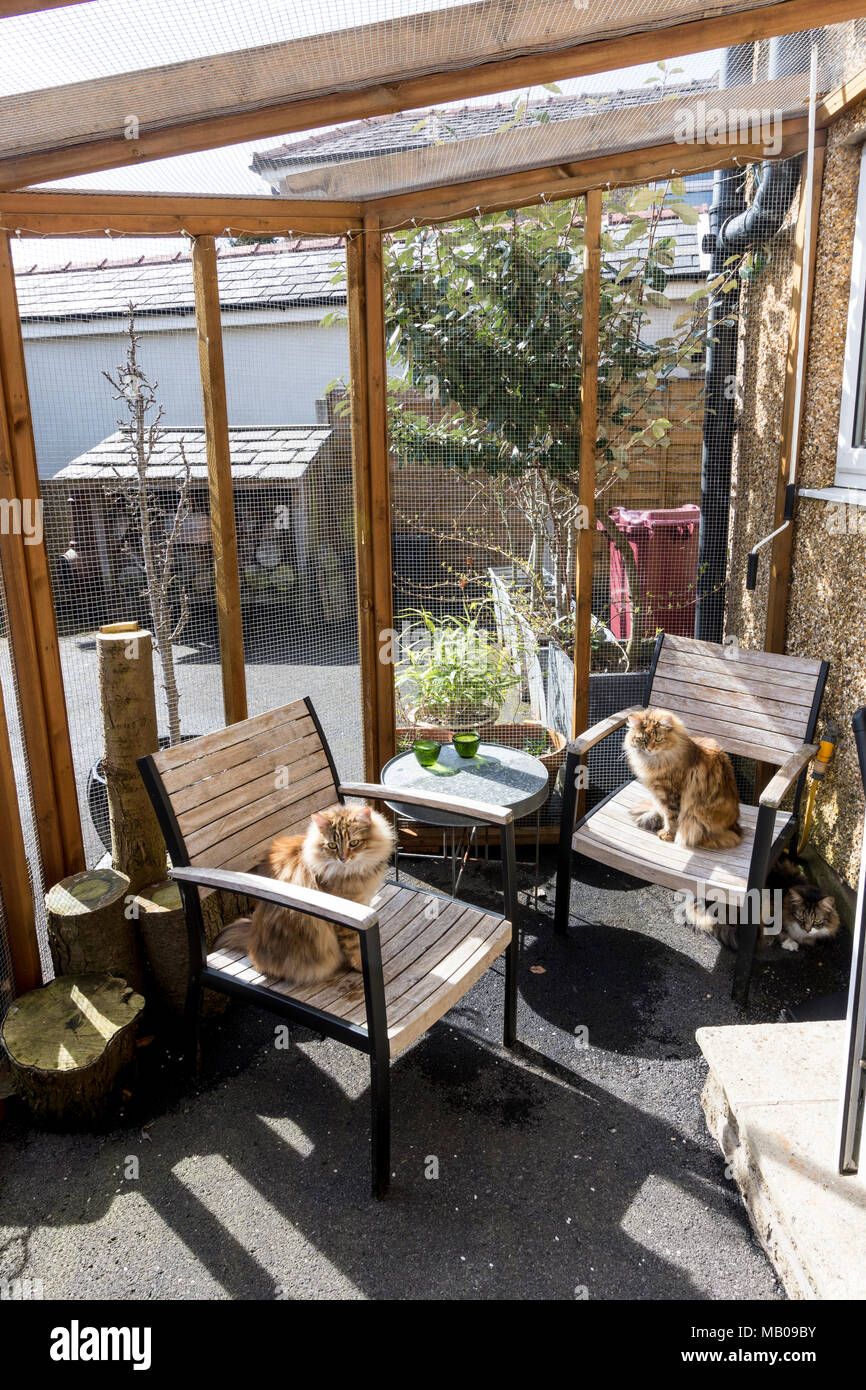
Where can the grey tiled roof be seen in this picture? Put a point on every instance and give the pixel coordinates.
(284, 275)
(281, 453)
(415, 130)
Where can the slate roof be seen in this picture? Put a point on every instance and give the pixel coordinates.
(284, 275)
(415, 130)
(279, 453)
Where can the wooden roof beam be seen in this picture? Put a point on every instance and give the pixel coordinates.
(538, 185)
(37, 212)
(10, 9)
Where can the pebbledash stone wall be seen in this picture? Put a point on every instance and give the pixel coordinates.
(828, 579)
(765, 309)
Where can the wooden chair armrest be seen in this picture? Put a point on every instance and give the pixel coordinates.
(481, 812)
(787, 775)
(309, 900)
(601, 730)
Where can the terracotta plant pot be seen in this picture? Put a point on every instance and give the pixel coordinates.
(481, 719)
(533, 732)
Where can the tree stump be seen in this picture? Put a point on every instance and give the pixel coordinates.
(88, 927)
(68, 1043)
(163, 931)
(125, 666)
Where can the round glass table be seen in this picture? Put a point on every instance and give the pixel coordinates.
(498, 775)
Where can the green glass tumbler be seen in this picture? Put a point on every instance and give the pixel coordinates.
(467, 744)
(426, 750)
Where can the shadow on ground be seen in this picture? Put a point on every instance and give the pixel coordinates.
(576, 1166)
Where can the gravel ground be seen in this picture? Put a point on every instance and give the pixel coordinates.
(564, 1171)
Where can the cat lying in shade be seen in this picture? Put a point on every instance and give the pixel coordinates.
(808, 914)
(345, 850)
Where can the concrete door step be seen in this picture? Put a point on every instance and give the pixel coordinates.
(772, 1102)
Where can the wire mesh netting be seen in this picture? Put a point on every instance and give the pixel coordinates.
(287, 374)
(11, 703)
(484, 322)
(485, 325)
(113, 372)
(551, 126)
(554, 126)
(111, 355)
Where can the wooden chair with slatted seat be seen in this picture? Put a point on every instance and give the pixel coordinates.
(222, 798)
(757, 704)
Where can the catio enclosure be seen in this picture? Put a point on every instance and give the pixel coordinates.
(441, 425)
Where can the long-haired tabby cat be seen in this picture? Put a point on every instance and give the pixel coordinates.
(808, 914)
(691, 781)
(345, 851)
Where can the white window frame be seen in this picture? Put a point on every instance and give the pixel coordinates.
(851, 460)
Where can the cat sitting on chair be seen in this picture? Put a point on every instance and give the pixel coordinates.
(345, 851)
(691, 781)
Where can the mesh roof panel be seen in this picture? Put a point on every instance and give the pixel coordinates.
(483, 136)
(163, 63)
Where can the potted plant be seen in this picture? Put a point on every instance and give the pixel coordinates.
(450, 674)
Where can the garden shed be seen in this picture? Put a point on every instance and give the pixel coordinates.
(280, 477)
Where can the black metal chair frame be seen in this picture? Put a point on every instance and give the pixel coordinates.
(765, 849)
(373, 1039)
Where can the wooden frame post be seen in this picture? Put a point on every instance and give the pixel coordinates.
(219, 477)
(588, 444)
(15, 875)
(370, 462)
(30, 607)
(801, 314)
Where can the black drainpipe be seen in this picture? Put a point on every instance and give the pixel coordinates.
(733, 229)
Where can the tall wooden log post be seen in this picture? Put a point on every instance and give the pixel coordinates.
(92, 916)
(125, 666)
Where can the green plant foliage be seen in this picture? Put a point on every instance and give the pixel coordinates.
(449, 668)
(485, 319)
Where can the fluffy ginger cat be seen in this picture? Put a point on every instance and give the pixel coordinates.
(345, 851)
(691, 780)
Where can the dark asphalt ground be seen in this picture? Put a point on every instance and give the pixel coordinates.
(564, 1171)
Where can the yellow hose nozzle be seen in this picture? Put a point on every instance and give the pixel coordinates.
(820, 763)
(822, 758)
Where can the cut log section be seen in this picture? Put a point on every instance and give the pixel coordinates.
(162, 927)
(68, 1043)
(91, 927)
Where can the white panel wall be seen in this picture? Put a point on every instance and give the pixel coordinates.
(275, 372)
